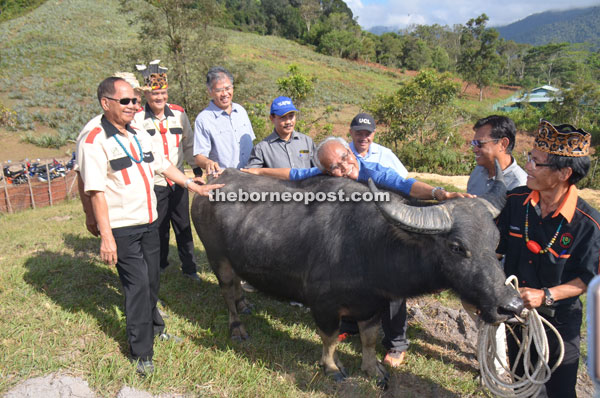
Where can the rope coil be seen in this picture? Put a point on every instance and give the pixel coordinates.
(535, 375)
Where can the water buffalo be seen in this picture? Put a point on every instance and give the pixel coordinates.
(351, 258)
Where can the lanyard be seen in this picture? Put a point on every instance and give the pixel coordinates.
(127, 153)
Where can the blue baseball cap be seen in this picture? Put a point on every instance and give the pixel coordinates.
(282, 105)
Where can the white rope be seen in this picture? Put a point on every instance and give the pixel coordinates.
(536, 375)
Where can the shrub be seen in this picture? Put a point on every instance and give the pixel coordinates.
(8, 117)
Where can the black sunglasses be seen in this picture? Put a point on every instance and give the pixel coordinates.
(123, 101)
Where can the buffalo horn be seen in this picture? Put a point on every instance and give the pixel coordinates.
(424, 220)
(495, 199)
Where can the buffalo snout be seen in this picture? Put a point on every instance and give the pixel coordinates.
(512, 306)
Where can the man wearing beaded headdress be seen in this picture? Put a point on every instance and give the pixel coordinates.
(116, 163)
(550, 239)
(170, 129)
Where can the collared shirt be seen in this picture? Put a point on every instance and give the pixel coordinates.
(273, 152)
(177, 141)
(382, 176)
(384, 156)
(574, 254)
(106, 166)
(223, 138)
(480, 181)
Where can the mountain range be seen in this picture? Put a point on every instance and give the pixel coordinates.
(581, 25)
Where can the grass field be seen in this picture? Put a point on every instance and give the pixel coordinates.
(61, 310)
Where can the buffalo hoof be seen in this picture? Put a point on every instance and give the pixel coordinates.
(338, 375)
(238, 332)
(382, 382)
(244, 307)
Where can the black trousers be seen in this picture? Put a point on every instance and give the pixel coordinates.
(563, 380)
(173, 209)
(137, 265)
(394, 324)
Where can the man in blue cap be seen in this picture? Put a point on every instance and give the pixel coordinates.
(285, 147)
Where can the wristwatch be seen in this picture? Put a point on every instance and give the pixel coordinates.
(548, 299)
(434, 190)
(187, 182)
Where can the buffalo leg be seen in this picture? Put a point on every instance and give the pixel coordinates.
(369, 332)
(329, 361)
(231, 291)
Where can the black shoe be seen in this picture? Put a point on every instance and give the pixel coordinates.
(144, 368)
(193, 277)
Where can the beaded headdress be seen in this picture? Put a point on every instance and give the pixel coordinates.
(563, 140)
(155, 76)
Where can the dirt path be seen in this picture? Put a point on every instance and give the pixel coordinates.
(460, 182)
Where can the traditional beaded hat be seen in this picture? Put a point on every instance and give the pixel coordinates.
(155, 76)
(563, 140)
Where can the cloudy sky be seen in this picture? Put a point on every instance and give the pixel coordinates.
(403, 13)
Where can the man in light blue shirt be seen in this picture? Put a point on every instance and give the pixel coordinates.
(223, 133)
(394, 318)
(362, 131)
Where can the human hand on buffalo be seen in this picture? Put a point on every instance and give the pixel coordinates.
(201, 188)
(255, 170)
(212, 168)
(445, 195)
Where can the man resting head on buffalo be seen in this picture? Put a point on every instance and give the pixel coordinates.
(334, 157)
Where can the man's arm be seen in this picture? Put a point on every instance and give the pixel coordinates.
(534, 298)
(108, 246)
(196, 185)
(187, 140)
(282, 174)
(202, 144)
(210, 166)
(90, 220)
(257, 158)
(421, 190)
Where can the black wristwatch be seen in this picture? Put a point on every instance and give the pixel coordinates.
(548, 299)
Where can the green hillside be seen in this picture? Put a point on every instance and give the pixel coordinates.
(53, 58)
(573, 26)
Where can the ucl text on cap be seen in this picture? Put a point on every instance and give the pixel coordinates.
(363, 121)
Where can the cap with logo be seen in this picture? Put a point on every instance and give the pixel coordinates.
(363, 121)
(563, 140)
(155, 76)
(282, 106)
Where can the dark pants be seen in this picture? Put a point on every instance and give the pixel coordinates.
(563, 380)
(393, 322)
(173, 209)
(137, 265)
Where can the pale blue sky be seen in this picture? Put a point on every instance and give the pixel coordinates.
(402, 13)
